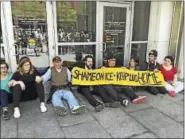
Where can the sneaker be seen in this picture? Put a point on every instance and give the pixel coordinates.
(17, 113)
(60, 110)
(43, 107)
(125, 102)
(78, 109)
(6, 115)
(139, 100)
(99, 106)
(172, 93)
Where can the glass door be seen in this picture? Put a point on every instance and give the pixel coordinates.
(114, 28)
(75, 30)
(30, 31)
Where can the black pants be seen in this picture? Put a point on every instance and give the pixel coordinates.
(4, 98)
(113, 93)
(128, 91)
(155, 90)
(97, 90)
(28, 94)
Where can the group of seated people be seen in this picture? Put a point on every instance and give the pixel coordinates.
(27, 84)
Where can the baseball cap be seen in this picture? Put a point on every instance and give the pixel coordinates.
(153, 52)
(56, 59)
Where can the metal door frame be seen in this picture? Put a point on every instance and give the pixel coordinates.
(99, 29)
(8, 33)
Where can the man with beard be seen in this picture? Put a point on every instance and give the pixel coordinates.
(88, 91)
(153, 65)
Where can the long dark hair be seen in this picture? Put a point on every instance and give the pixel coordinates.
(135, 60)
(171, 58)
(4, 63)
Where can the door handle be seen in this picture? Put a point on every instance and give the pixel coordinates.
(105, 46)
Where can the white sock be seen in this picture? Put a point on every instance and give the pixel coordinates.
(43, 107)
(17, 113)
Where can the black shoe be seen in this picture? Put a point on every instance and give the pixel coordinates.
(154, 93)
(48, 101)
(112, 104)
(6, 115)
(99, 107)
(115, 104)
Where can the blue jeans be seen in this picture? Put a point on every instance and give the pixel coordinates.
(64, 94)
(4, 98)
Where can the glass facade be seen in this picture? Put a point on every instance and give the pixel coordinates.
(141, 20)
(140, 30)
(76, 21)
(76, 30)
(30, 30)
(114, 27)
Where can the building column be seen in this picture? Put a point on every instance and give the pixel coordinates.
(160, 27)
(181, 58)
(8, 35)
(51, 27)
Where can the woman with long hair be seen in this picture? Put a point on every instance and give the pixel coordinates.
(169, 72)
(26, 86)
(133, 64)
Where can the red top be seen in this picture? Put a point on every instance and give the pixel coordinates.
(168, 74)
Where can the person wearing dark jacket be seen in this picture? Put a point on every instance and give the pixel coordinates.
(88, 91)
(153, 65)
(126, 90)
(25, 86)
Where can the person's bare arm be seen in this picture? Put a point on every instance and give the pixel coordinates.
(174, 80)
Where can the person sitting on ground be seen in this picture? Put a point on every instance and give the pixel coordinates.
(88, 91)
(126, 90)
(134, 65)
(153, 65)
(170, 76)
(25, 86)
(60, 79)
(113, 92)
(4, 89)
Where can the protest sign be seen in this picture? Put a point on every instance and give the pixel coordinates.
(116, 76)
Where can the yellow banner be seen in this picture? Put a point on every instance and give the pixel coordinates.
(116, 76)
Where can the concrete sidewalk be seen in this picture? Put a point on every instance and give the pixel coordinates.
(160, 116)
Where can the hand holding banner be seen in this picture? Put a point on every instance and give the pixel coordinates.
(116, 76)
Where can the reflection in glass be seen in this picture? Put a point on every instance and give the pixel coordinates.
(141, 20)
(114, 32)
(30, 31)
(76, 21)
(68, 53)
(138, 51)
